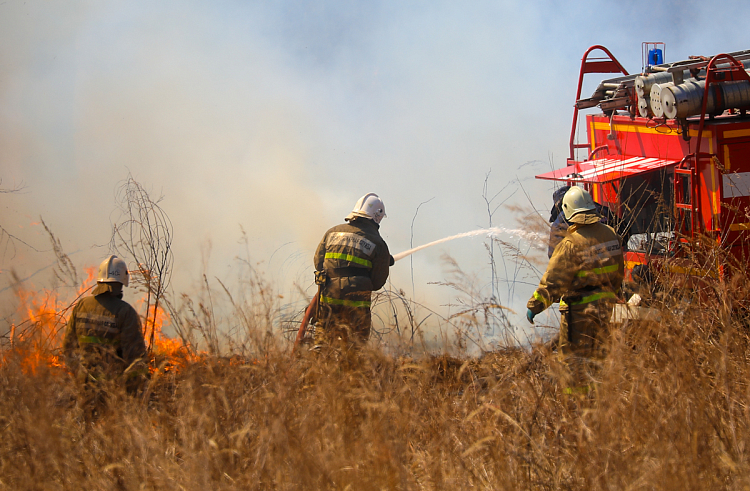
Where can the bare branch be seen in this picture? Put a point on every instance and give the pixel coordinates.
(15, 189)
(8, 240)
(143, 232)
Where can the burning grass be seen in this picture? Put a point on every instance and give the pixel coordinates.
(671, 410)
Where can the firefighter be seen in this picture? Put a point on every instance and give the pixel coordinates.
(351, 262)
(557, 219)
(559, 226)
(584, 275)
(103, 338)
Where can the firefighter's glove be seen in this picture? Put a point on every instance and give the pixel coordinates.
(530, 315)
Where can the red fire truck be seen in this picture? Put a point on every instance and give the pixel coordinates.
(669, 153)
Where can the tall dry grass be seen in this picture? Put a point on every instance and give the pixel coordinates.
(670, 411)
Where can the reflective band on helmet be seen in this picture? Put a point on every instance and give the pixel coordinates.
(606, 269)
(96, 340)
(590, 298)
(349, 257)
(345, 303)
(540, 298)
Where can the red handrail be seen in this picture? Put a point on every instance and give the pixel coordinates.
(735, 71)
(595, 65)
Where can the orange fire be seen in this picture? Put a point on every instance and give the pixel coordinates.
(167, 353)
(38, 338)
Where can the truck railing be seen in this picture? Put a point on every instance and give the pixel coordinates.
(593, 65)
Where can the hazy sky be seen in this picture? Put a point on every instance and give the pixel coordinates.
(275, 117)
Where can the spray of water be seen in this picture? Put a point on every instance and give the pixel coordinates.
(533, 238)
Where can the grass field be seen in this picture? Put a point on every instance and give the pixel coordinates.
(670, 411)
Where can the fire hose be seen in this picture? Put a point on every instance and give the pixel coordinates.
(305, 321)
(321, 278)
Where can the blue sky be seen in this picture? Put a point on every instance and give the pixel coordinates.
(277, 116)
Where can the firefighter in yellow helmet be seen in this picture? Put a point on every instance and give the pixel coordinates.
(351, 261)
(103, 336)
(584, 275)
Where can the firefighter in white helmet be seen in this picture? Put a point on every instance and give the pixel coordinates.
(584, 275)
(103, 337)
(351, 262)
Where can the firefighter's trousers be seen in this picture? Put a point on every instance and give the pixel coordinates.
(583, 332)
(342, 325)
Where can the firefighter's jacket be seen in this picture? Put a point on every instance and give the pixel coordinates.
(586, 266)
(355, 260)
(103, 331)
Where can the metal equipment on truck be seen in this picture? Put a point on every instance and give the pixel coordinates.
(669, 154)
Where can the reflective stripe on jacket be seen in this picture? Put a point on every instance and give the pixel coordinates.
(586, 266)
(103, 322)
(356, 261)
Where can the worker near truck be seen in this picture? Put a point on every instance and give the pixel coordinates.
(103, 338)
(351, 261)
(557, 220)
(558, 225)
(584, 275)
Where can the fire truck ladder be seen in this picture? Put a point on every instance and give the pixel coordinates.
(685, 196)
(593, 65)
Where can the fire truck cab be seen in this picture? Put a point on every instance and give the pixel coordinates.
(669, 154)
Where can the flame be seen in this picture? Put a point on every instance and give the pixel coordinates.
(41, 332)
(167, 354)
(90, 272)
(38, 338)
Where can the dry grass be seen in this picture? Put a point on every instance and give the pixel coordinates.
(670, 411)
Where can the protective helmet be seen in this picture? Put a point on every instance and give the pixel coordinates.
(113, 270)
(368, 206)
(577, 200)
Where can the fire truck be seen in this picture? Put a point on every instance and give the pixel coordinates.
(668, 152)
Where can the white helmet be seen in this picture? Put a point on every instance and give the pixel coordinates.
(368, 206)
(577, 200)
(113, 270)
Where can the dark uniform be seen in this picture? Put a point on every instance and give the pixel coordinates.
(355, 260)
(557, 219)
(104, 335)
(557, 231)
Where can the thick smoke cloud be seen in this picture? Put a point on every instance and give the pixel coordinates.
(275, 117)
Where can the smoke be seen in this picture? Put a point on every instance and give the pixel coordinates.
(275, 117)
